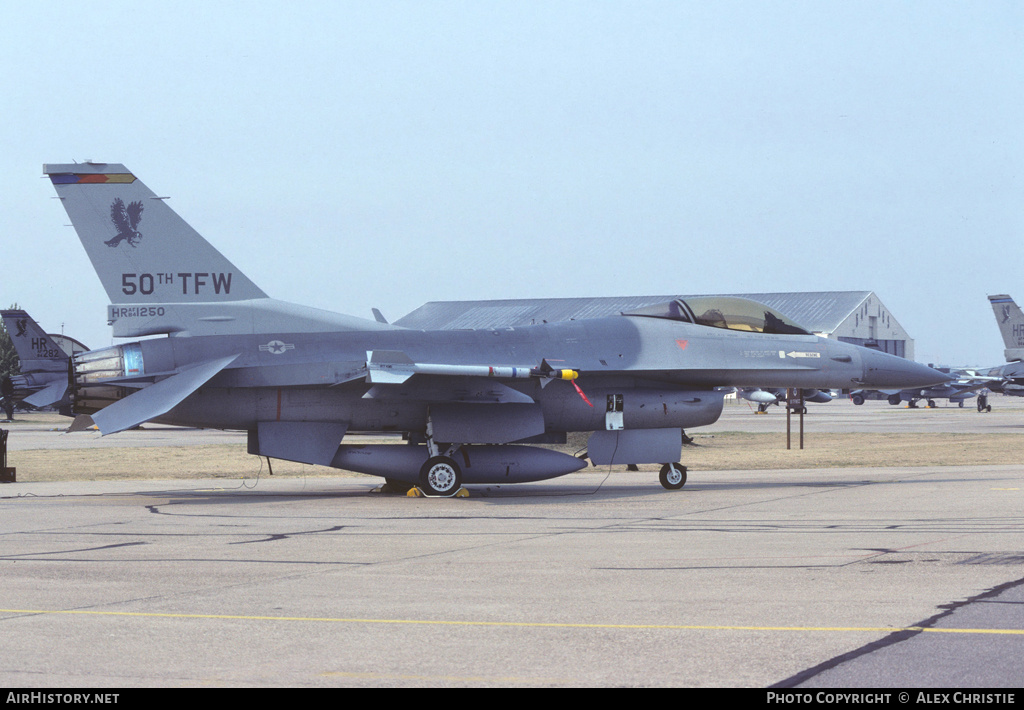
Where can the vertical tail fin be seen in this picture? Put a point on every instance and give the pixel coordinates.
(160, 274)
(1010, 320)
(37, 351)
(43, 376)
(143, 252)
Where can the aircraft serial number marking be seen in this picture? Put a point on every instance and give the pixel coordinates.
(191, 282)
(1018, 332)
(44, 352)
(135, 311)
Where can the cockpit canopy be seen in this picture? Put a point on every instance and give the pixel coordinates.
(726, 312)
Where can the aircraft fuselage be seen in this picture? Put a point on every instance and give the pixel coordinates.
(668, 364)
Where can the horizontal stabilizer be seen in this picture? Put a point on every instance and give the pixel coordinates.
(157, 399)
(53, 392)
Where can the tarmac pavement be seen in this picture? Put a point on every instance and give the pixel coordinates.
(844, 578)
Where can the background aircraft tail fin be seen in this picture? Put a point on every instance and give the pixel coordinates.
(1011, 324)
(143, 252)
(36, 350)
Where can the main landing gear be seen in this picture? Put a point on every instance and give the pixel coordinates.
(440, 476)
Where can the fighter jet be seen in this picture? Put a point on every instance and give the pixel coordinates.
(1011, 325)
(468, 402)
(1010, 320)
(43, 377)
(963, 385)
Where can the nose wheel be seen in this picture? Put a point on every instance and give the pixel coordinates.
(673, 476)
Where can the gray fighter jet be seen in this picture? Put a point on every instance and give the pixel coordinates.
(1010, 320)
(963, 385)
(43, 377)
(469, 402)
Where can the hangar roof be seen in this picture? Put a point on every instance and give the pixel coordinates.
(819, 311)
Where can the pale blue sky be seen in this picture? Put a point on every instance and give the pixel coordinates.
(352, 155)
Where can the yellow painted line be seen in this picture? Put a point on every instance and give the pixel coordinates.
(510, 624)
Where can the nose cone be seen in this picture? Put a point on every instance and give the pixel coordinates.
(882, 370)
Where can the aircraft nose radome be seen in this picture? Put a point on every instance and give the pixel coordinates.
(884, 370)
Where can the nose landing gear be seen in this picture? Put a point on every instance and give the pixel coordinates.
(673, 476)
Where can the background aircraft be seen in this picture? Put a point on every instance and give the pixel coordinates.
(43, 377)
(299, 379)
(765, 398)
(1011, 325)
(1007, 379)
(968, 384)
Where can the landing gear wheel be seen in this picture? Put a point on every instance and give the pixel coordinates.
(440, 476)
(858, 399)
(673, 476)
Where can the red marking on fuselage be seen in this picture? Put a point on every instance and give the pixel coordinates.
(682, 344)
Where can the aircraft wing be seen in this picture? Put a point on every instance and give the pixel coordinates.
(974, 386)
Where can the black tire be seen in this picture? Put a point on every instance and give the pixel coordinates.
(894, 399)
(440, 476)
(858, 399)
(673, 476)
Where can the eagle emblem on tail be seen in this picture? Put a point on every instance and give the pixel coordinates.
(126, 219)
